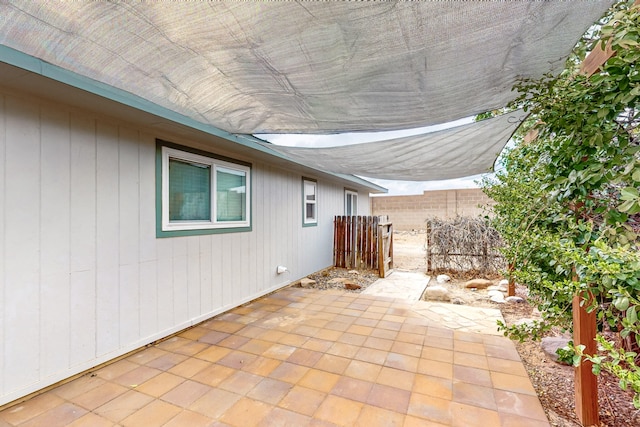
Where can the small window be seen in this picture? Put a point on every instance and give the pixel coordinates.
(310, 202)
(202, 193)
(350, 203)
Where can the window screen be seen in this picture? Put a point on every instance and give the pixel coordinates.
(230, 195)
(189, 191)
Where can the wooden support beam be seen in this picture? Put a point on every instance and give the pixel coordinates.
(586, 383)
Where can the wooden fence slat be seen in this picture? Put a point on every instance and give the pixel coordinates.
(358, 242)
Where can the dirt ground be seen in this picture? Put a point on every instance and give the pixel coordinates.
(554, 383)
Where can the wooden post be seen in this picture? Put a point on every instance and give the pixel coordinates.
(586, 383)
(512, 283)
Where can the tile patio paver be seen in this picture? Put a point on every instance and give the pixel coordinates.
(306, 357)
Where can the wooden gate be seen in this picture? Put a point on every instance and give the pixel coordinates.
(363, 242)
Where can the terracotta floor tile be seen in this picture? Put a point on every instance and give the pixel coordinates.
(360, 330)
(371, 315)
(371, 416)
(512, 420)
(137, 376)
(502, 352)
(391, 398)
(284, 418)
(378, 343)
(523, 405)
(250, 331)
(237, 359)
(316, 344)
(438, 342)
(31, 408)
(506, 366)
(115, 369)
(351, 338)
(430, 408)
(466, 415)
(191, 348)
(91, 420)
(468, 336)
(378, 309)
(333, 364)
(99, 396)
(185, 393)
(262, 366)
(361, 321)
(172, 343)
(384, 323)
(145, 356)
(293, 340)
(271, 335)
(213, 353)
(440, 332)
(410, 338)
(279, 351)
(402, 361)
(334, 325)
(194, 333)
(352, 388)
(319, 380)
(338, 410)
(123, 405)
(270, 391)
(214, 403)
(213, 337)
(384, 334)
(213, 375)
(246, 413)
(471, 360)
(433, 386)
(409, 328)
(437, 354)
(396, 378)
(233, 342)
(343, 350)
(304, 357)
(160, 384)
(189, 367)
(472, 375)
(371, 355)
(362, 370)
(167, 361)
(474, 395)
(155, 413)
(468, 347)
(190, 419)
(61, 415)
(328, 335)
(82, 385)
(240, 382)
(302, 400)
(224, 326)
(435, 368)
(289, 372)
(514, 383)
(412, 421)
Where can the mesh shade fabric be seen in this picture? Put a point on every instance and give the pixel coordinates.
(452, 153)
(306, 67)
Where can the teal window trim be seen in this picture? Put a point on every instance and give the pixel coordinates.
(308, 206)
(211, 227)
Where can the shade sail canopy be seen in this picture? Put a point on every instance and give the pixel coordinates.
(306, 67)
(452, 153)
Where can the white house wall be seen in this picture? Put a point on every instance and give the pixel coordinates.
(84, 278)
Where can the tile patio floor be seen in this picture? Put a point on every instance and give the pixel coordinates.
(302, 357)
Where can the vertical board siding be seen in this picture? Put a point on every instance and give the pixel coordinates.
(54, 241)
(22, 240)
(84, 277)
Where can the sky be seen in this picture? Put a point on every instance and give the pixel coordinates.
(396, 188)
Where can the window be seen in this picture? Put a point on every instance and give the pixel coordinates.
(350, 202)
(310, 202)
(201, 194)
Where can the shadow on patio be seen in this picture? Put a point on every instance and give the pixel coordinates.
(303, 357)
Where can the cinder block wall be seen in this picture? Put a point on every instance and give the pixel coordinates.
(410, 212)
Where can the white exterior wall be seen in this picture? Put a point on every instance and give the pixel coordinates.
(83, 277)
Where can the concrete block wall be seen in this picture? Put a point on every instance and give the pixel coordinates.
(410, 212)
